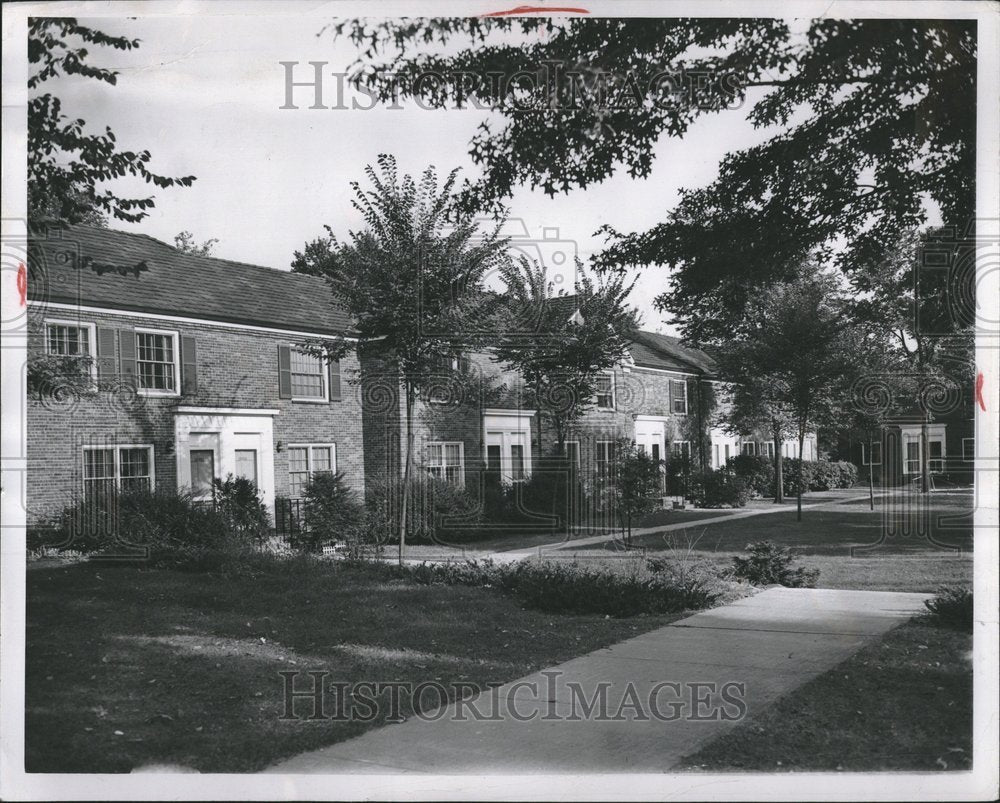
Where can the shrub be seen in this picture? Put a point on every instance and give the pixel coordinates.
(333, 512)
(757, 471)
(558, 587)
(790, 475)
(768, 563)
(237, 501)
(722, 488)
(847, 474)
(170, 528)
(439, 511)
(953, 607)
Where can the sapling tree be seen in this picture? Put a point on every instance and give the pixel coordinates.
(411, 279)
(635, 484)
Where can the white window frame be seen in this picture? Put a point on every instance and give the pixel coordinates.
(309, 460)
(867, 451)
(919, 441)
(444, 466)
(117, 447)
(969, 455)
(91, 335)
(324, 377)
(614, 399)
(752, 451)
(566, 451)
(610, 455)
(175, 336)
(674, 398)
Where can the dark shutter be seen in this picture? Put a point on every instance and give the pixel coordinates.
(284, 372)
(670, 395)
(126, 355)
(106, 364)
(464, 364)
(335, 380)
(189, 365)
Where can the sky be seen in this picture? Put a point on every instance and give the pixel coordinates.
(203, 95)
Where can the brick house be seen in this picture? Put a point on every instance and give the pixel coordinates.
(664, 396)
(194, 372)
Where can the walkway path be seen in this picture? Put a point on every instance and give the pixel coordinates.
(772, 642)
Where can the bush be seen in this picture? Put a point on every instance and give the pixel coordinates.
(558, 587)
(237, 501)
(169, 528)
(768, 563)
(756, 471)
(333, 512)
(847, 474)
(722, 488)
(790, 475)
(953, 607)
(440, 512)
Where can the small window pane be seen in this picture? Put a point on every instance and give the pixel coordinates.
(135, 469)
(321, 458)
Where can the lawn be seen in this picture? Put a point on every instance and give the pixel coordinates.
(903, 703)
(128, 666)
(897, 547)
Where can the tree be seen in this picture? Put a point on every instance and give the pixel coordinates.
(636, 484)
(66, 166)
(185, 243)
(801, 352)
(562, 345)
(871, 116)
(411, 281)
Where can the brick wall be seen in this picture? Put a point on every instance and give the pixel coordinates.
(235, 368)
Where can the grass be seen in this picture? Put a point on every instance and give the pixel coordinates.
(903, 703)
(893, 548)
(128, 666)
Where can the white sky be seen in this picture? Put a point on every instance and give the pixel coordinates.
(202, 94)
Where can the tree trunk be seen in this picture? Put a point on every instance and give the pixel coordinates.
(779, 480)
(871, 475)
(925, 472)
(802, 439)
(405, 512)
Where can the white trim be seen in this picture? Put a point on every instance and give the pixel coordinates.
(324, 376)
(444, 466)
(566, 451)
(116, 447)
(508, 412)
(176, 336)
(182, 410)
(672, 372)
(78, 324)
(180, 319)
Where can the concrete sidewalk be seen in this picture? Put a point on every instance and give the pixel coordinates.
(772, 643)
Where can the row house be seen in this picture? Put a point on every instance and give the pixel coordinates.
(196, 371)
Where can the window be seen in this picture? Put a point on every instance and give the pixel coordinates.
(308, 376)
(571, 450)
(110, 468)
(871, 454)
(246, 464)
(679, 396)
(748, 448)
(968, 449)
(447, 461)
(681, 449)
(517, 462)
(605, 384)
(727, 452)
(935, 455)
(604, 457)
(913, 457)
(69, 339)
(766, 449)
(202, 472)
(156, 361)
(715, 450)
(304, 460)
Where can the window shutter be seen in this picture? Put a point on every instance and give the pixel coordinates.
(126, 355)
(670, 395)
(106, 355)
(464, 364)
(335, 393)
(284, 372)
(189, 365)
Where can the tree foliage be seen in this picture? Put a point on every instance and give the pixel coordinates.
(67, 166)
(873, 119)
(561, 345)
(185, 242)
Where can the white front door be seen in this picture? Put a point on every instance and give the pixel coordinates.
(508, 444)
(214, 444)
(650, 436)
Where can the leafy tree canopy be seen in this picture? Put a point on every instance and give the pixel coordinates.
(67, 166)
(185, 242)
(874, 122)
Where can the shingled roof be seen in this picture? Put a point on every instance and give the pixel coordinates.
(653, 350)
(137, 273)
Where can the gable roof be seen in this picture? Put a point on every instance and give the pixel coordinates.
(87, 266)
(653, 350)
